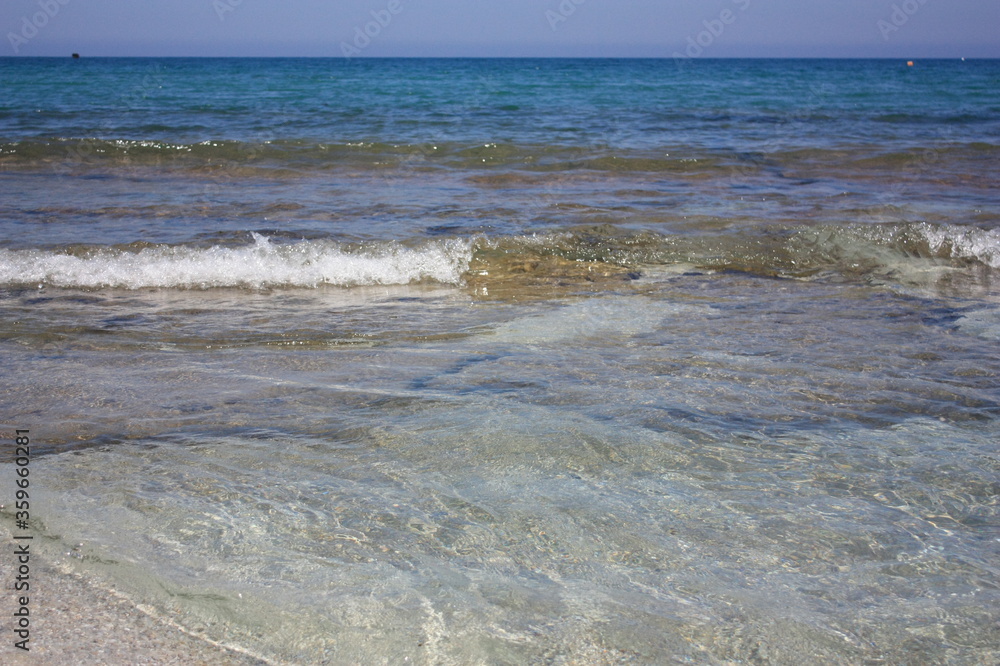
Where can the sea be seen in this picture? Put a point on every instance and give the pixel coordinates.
(512, 361)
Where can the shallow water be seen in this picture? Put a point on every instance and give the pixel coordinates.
(431, 382)
(708, 468)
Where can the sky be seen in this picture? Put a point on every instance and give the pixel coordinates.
(503, 28)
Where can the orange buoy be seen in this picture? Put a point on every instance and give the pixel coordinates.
(909, 63)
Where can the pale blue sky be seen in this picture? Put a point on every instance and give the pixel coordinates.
(640, 28)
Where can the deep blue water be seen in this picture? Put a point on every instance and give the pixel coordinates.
(624, 104)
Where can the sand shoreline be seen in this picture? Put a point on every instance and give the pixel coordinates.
(75, 622)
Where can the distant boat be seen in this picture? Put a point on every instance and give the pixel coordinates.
(76, 56)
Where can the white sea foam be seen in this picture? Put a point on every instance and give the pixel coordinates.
(982, 245)
(909, 253)
(260, 265)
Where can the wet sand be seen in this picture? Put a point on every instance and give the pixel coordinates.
(73, 622)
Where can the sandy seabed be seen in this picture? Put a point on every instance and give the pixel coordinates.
(73, 622)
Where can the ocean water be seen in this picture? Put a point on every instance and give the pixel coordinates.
(514, 361)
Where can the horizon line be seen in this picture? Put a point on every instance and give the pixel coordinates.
(80, 56)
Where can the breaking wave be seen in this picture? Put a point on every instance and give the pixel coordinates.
(896, 252)
(262, 264)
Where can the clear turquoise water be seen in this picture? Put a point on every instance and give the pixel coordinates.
(514, 361)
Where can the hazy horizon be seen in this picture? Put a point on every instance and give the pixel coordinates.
(518, 28)
(459, 57)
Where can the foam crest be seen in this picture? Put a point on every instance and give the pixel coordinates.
(260, 265)
(982, 245)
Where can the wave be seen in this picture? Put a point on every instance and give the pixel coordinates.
(262, 264)
(922, 255)
(911, 252)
